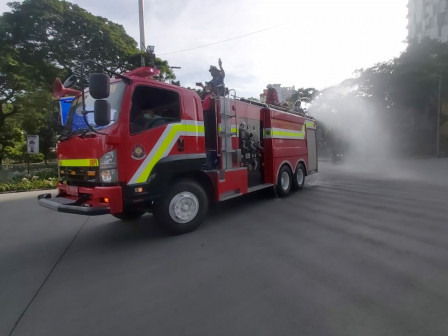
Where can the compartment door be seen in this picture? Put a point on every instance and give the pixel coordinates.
(312, 150)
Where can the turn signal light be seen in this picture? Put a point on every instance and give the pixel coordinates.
(105, 200)
(138, 189)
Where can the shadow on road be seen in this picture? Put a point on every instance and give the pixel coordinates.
(107, 231)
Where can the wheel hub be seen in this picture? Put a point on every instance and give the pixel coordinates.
(184, 207)
(285, 180)
(300, 176)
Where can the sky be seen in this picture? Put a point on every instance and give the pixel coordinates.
(301, 43)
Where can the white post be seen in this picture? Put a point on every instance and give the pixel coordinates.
(142, 29)
(439, 108)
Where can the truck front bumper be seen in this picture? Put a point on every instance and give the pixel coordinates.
(84, 201)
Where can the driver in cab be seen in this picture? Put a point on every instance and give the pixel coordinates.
(147, 118)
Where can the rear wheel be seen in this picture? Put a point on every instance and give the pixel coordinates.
(284, 181)
(299, 177)
(183, 208)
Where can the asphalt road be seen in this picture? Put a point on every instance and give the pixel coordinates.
(354, 253)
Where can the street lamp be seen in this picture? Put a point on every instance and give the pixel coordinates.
(150, 51)
(142, 29)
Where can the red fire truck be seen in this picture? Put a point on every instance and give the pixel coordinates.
(153, 146)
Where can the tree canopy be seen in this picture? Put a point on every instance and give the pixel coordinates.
(402, 97)
(304, 95)
(44, 39)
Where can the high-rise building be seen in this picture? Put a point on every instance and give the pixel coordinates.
(428, 18)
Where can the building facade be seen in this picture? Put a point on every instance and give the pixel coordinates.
(283, 93)
(428, 18)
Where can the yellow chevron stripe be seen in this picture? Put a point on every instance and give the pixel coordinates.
(161, 152)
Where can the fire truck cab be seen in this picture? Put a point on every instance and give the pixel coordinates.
(153, 146)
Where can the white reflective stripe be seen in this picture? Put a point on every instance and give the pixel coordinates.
(192, 122)
(283, 133)
(286, 130)
(283, 136)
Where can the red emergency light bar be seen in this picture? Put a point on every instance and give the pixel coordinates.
(144, 72)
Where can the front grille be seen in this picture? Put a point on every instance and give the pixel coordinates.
(79, 175)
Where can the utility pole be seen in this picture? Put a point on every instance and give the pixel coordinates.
(439, 108)
(142, 30)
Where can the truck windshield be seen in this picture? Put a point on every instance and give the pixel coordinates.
(75, 120)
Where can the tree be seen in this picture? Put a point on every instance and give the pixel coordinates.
(10, 137)
(36, 118)
(44, 39)
(304, 95)
(397, 99)
(47, 139)
(405, 92)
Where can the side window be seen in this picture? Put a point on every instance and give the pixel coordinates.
(153, 107)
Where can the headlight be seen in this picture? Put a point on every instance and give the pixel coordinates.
(109, 160)
(108, 167)
(109, 175)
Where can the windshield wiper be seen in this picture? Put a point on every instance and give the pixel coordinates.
(66, 134)
(85, 135)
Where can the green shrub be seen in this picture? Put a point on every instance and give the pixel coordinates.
(37, 158)
(15, 172)
(31, 183)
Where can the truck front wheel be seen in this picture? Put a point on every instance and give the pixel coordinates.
(183, 207)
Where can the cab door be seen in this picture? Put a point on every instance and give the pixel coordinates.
(154, 130)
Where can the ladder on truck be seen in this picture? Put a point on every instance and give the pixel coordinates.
(226, 132)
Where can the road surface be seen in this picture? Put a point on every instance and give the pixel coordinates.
(357, 252)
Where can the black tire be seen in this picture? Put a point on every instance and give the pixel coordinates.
(298, 180)
(176, 220)
(130, 214)
(284, 181)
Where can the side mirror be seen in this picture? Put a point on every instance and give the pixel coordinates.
(102, 112)
(99, 85)
(69, 82)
